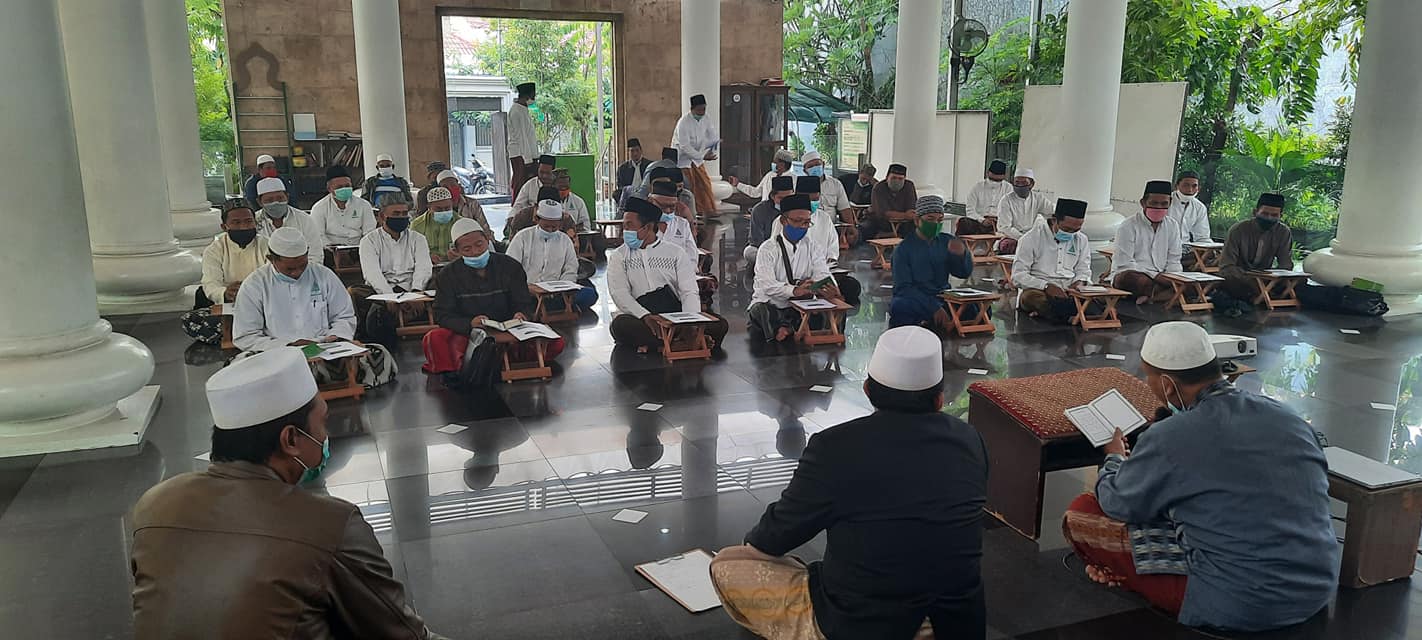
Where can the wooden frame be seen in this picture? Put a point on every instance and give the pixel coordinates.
(585, 245)
(403, 329)
(844, 230)
(828, 335)
(217, 310)
(339, 255)
(980, 322)
(534, 369)
(688, 346)
(1191, 295)
(347, 388)
(1207, 258)
(1005, 262)
(542, 313)
(985, 241)
(1287, 298)
(882, 247)
(611, 231)
(1383, 526)
(1107, 319)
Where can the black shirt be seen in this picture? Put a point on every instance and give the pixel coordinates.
(464, 294)
(901, 496)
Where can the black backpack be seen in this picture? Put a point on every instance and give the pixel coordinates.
(1345, 300)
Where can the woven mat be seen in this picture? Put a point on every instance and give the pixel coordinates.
(1039, 402)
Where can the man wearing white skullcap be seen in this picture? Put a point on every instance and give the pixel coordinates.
(385, 181)
(1221, 512)
(277, 213)
(295, 301)
(900, 493)
(266, 168)
(1018, 212)
(782, 165)
(547, 253)
(833, 199)
(238, 551)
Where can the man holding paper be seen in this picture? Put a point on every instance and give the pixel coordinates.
(1221, 513)
(293, 301)
(547, 253)
(922, 264)
(791, 266)
(393, 259)
(900, 493)
(696, 139)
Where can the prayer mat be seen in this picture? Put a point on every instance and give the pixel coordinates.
(1040, 402)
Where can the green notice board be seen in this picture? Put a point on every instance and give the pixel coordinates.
(580, 168)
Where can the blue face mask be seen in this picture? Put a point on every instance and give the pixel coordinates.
(795, 234)
(817, 170)
(668, 218)
(282, 277)
(547, 235)
(814, 206)
(478, 262)
(310, 474)
(1063, 236)
(443, 217)
(630, 239)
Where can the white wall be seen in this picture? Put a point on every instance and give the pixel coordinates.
(960, 139)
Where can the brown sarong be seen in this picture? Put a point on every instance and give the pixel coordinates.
(699, 182)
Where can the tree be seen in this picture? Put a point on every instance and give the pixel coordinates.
(829, 46)
(214, 105)
(559, 57)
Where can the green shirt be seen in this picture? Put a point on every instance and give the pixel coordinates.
(437, 234)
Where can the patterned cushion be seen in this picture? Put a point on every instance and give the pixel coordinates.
(1039, 403)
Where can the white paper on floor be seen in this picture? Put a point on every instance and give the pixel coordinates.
(1382, 406)
(451, 429)
(649, 406)
(1115, 356)
(1351, 332)
(819, 388)
(630, 516)
(977, 372)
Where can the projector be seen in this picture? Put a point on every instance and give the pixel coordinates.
(1227, 346)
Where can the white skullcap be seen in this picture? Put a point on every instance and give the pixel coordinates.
(383, 158)
(908, 359)
(1177, 346)
(437, 193)
(1023, 172)
(809, 157)
(784, 155)
(260, 388)
(270, 185)
(550, 210)
(264, 158)
(288, 242)
(463, 226)
(445, 175)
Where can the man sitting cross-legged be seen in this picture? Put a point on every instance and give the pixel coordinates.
(789, 267)
(547, 253)
(922, 264)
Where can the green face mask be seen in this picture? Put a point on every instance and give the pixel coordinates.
(312, 473)
(929, 229)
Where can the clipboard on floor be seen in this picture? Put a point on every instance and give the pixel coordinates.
(686, 577)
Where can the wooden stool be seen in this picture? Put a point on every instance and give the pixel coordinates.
(1005, 262)
(345, 258)
(403, 327)
(985, 241)
(1207, 255)
(832, 317)
(682, 341)
(226, 313)
(1287, 298)
(1192, 292)
(882, 247)
(705, 304)
(843, 229)
(897, 223)
(980, 322)
(543, 313)
(531, 369)
(1383, 522)
(1107, 319)
(1109, 253)
(347, 388)
(585, 245)
(612, 231)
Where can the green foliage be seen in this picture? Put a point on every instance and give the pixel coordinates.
(827, 141)
(997, 81)
(828, 45)
(214, 104)
(561, 58)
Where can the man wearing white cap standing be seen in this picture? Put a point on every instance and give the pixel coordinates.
(900, 494)
(277, 213)
(238, 551)
(343, 217)
(385, 181)
(1018, 212)
(266, 168)
(1220, 515)
(547, 253)
(295, 301)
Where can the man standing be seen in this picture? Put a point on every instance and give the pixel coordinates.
(792, 266)
(922, 264)
(1051, 259)
(238, 551)
(342, 217)
(1252, 245)
(522, 144)
(1188, 211)
(891, 204)
(1020, 211)
(1220, 515)
(780, 166)
(547, 253)
(277, 213)
(393, 259)
(266, 168)
(696, 140)
(232, 256)
(983, 199)
(900, 493)
(629, 174)
(764, 214)
(1147, 245)
(385, 181)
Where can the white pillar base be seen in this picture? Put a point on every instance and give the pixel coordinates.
(194, 228)
(1100, 226)
(144, 282)
(1400, 275)
(118, 426)
(58, 382)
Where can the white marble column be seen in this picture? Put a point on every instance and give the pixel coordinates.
(195, 220)
(916, 89)
(1379, 226)
(701, 71)
(62, 369)
(1091, 93)
(380, 78)
(138, 264)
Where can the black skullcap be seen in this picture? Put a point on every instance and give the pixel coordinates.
(1162, 187)
(548, 160)
(436, 166)
(337, 171)
(525, 88)
(235, 203)
(899, 169)
(548, 193)
(664, 188)
(633, 142)
(698, 100)
(795, 202)
(669, 153)
(807, 184)
(1187, 174)
(782, 183)
(997, 167)
(646, 212)
(666, 173)
(1267, 199)
(1067, 208)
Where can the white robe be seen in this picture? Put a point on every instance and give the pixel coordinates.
(1193, 218)
(522, 137)
(527, 196)
(822, 233)
(692, 139)
(577, 209)
(1143, 247)
(544, 259)
(1016, 216)
(633, 273)
(343, 226)
(272, 313)
(984, 196)
(679, 233)
(303, 222)
(763, 189)
(1041, 260)
(387, 263)
(772, 285)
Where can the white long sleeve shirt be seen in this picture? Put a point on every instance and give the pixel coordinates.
(387, 262)
(763, 189)
(543, 257)
(1016, 216)
(527, 196)
(821, 233)
(773, 285)
(984, 196)
(575, 207)
(303, 222)
(692, 139)
(343, 226)
(1143, 247)
(272, 312)
(223, 263)
(1041, 260)
(632, 273)
(522, 137)
(679, 233)
(1192, 217)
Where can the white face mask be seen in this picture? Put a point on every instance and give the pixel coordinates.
(385, 172)
(1184, 198)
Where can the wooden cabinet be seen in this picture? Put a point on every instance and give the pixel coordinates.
(753, 126)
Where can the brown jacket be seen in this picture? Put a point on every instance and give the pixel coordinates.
(235, 552)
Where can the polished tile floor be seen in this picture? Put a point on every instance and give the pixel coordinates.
(505, 530)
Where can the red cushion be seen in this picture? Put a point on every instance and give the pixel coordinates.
(1039, 403)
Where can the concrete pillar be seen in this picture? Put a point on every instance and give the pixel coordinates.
(195, 220)
(916, 88)
(138, 264)
(701, 70)
(1379, 229)
(380, 76)
(1091, 93)
(62, 369)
